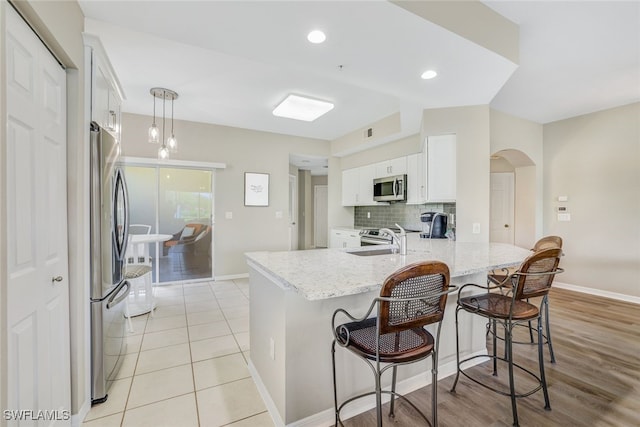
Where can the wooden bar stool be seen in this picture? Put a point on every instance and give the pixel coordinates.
(532, 279)
(502, 278)
(411, 298)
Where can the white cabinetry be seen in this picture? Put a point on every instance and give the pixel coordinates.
(341, 238)
(416, 193)
(350, 187)
(440, 167)
(391, 167)
(105, 89)
(357, 186)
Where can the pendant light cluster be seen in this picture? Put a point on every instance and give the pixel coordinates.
(169, 145)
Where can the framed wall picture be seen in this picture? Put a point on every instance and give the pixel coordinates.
(256, 189)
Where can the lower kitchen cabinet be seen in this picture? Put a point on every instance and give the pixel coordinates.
(342, 238)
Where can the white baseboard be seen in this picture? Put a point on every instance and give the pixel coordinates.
(231, 277)
(77, 419)
(597, 292)
(266, 397)
(327, 417)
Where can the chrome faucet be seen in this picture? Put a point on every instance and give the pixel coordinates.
(398, 239)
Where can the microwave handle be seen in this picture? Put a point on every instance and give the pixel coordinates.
(396, 184)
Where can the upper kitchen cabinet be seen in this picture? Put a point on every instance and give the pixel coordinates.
(391, 167)
(102, 86)
(440, 168)
(416, 183)
(357, 186)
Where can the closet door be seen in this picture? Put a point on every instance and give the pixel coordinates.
(37, 304)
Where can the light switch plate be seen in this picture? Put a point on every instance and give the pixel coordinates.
(564, 217)
(278, 214)
(476, 228)
(228, 215)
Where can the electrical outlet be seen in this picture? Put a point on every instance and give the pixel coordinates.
(368, 214)
(476, 228)
(272, 349)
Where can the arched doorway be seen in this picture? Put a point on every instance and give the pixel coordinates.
(514, 198)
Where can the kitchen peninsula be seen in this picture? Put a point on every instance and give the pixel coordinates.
(294, 295)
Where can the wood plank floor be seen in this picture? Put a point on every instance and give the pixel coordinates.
(594, 382)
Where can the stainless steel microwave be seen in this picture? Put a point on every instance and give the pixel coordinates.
(390, 189)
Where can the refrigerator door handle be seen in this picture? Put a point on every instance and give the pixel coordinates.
(115, 299)
(120, 246)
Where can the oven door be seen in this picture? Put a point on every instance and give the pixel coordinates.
(373, 241)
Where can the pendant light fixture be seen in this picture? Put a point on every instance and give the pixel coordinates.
(170, 144)
(154, 133)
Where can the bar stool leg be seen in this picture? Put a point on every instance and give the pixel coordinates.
(378, 396)
(495, 348)
(393, 390)
(547, 329)
(509, 345)
(434, 389)
(455, 382)
(335, 388)
(543, 379)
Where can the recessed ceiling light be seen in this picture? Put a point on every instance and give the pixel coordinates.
(316, 37)
(302, 108)
(429, 74)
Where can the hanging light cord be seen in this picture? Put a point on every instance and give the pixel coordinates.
(164, 99)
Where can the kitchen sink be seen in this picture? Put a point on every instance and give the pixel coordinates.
(373, 252)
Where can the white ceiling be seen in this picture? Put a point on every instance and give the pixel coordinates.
(232, 62)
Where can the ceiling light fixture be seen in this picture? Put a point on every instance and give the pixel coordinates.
(302, 108)
(170, 144)
(429, 74)
(316, 37)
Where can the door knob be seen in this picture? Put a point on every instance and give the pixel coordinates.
(56, 279)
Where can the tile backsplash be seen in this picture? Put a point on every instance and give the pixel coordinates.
(408, 216)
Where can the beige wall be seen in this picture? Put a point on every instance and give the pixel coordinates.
(402, 147)
(520, 142)
(252, 228)
(60, 25)
(471, 126)
(595, 160)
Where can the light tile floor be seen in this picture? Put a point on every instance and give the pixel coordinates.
(187, 366)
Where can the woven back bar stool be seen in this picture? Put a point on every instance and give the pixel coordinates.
(502, 278)
(410, 298)
(532, 279)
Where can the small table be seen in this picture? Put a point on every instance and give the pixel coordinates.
(143, 303)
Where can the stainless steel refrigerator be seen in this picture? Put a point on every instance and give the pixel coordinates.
(109, 235)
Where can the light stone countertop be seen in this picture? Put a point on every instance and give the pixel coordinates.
(326, 273)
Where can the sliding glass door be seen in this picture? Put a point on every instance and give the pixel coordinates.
(176, 203)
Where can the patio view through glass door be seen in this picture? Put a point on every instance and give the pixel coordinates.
(176, 202)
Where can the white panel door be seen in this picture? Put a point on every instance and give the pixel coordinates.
(320, 215)
(293, 213)
(502, 208)
(37, 283)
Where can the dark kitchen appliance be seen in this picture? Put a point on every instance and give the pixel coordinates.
(390, 189)
(109, 235)
(434, 225)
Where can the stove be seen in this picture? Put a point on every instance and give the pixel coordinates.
(373, 236)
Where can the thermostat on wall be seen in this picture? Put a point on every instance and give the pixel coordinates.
(562, 209)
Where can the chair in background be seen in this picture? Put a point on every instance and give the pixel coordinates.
(137, 270)
(502, 278)
(532, 279)
(411, 298)
(139, 229)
